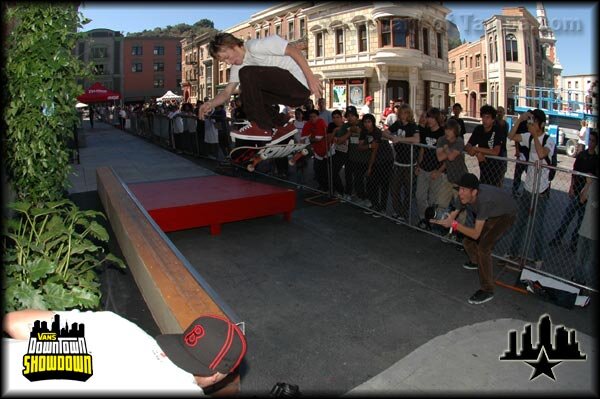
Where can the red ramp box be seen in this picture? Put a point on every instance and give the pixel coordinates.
(187, 203)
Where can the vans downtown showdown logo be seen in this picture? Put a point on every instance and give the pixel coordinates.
(57, 353)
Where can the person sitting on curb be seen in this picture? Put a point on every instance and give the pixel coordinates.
(270, 71)
(124, 358)
(495, 211)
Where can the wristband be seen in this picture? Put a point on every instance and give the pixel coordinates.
(454, 226)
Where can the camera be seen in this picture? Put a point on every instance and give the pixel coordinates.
(437, 213)
(285, 390)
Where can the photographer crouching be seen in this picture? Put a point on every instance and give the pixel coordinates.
(495, 212)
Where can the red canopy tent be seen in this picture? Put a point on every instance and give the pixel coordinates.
(97, 93)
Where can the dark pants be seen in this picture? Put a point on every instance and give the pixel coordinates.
(480, 251)
(339, 160)
(520, 168)
(574, 211)
(264, 86)
(378, 185)
(355, 178)
(321, 173)
(401, 190)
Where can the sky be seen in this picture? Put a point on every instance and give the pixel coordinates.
(571, 21)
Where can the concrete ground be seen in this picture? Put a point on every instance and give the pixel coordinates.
(340, 303)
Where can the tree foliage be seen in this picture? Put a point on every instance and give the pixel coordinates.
(41, 74)
(180, 30)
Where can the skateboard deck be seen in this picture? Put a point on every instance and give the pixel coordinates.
(249, 157)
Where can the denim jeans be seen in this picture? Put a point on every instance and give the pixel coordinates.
(523, 214)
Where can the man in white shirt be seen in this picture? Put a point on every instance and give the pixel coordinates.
(538, 153)
(124, 358)
(366, 108)
(270, 71)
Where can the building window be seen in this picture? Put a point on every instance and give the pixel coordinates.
(158, 83)
(493, 50)
(319, 45)
(178, 50)
(302, 27)
(266, 32)
(99, 69)
(461, 64)
(511, 48)
(137, 50)
(290, 35)
(258, 34)
(362, 38)
(99, 52)
(569, 84)
(577, 84)
(159, 50)
(439, 45)
(178, 67)
(452, 86)
(136, 67)
(477, 60)
(425, 41)
(462, 84)
(466, 81)
(471, 62)
(399, 32)
(159, 66)
(339, 41)
(278, 30)
(452, 66)
(386, 33)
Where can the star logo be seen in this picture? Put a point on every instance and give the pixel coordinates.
(551, 348)
(542, 366)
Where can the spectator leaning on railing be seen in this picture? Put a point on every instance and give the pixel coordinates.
(487, 139)
(539, 155)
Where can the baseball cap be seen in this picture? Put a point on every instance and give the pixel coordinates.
(368, 98)
(469, 180)
(211, 343)
(351, 109)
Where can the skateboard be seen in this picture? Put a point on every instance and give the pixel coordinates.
(249, 157)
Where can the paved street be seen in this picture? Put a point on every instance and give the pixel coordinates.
(340, 303)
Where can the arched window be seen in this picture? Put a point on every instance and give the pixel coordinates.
(512, 53)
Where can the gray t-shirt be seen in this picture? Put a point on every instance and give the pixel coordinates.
(491, 202)
(456, 168)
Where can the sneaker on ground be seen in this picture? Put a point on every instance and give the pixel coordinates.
(283, 132)
(252, 131)
(480, 297)
(368, 211)
(470, 265)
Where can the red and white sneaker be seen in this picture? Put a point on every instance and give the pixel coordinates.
(252, 132)
(283, 132)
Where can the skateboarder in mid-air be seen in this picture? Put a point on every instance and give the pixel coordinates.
(270, 71)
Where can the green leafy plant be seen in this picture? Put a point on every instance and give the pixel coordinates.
(50, 253)
(41, 76)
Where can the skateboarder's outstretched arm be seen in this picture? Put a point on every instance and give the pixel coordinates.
(219, 99)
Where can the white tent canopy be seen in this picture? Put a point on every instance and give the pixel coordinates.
(169, 96)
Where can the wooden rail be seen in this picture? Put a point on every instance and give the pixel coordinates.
(173, 290)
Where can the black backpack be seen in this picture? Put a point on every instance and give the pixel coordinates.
(551, 159)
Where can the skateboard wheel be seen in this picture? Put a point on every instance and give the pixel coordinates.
(291, 162)
(263, 156)
(304, 151)
(250, 168)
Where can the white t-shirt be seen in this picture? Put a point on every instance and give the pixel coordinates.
(391, 118)
(364, 110)
(269, 51)
(211, 133)
(533, 156)
(124, 359)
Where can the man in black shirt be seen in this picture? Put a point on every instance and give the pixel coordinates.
(456, 110)
(487, 140)
(495, 212)
(586, 162)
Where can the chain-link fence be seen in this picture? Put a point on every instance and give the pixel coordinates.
(404, 184)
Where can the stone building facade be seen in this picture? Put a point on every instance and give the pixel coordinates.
(516, 53)
(386, 50)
